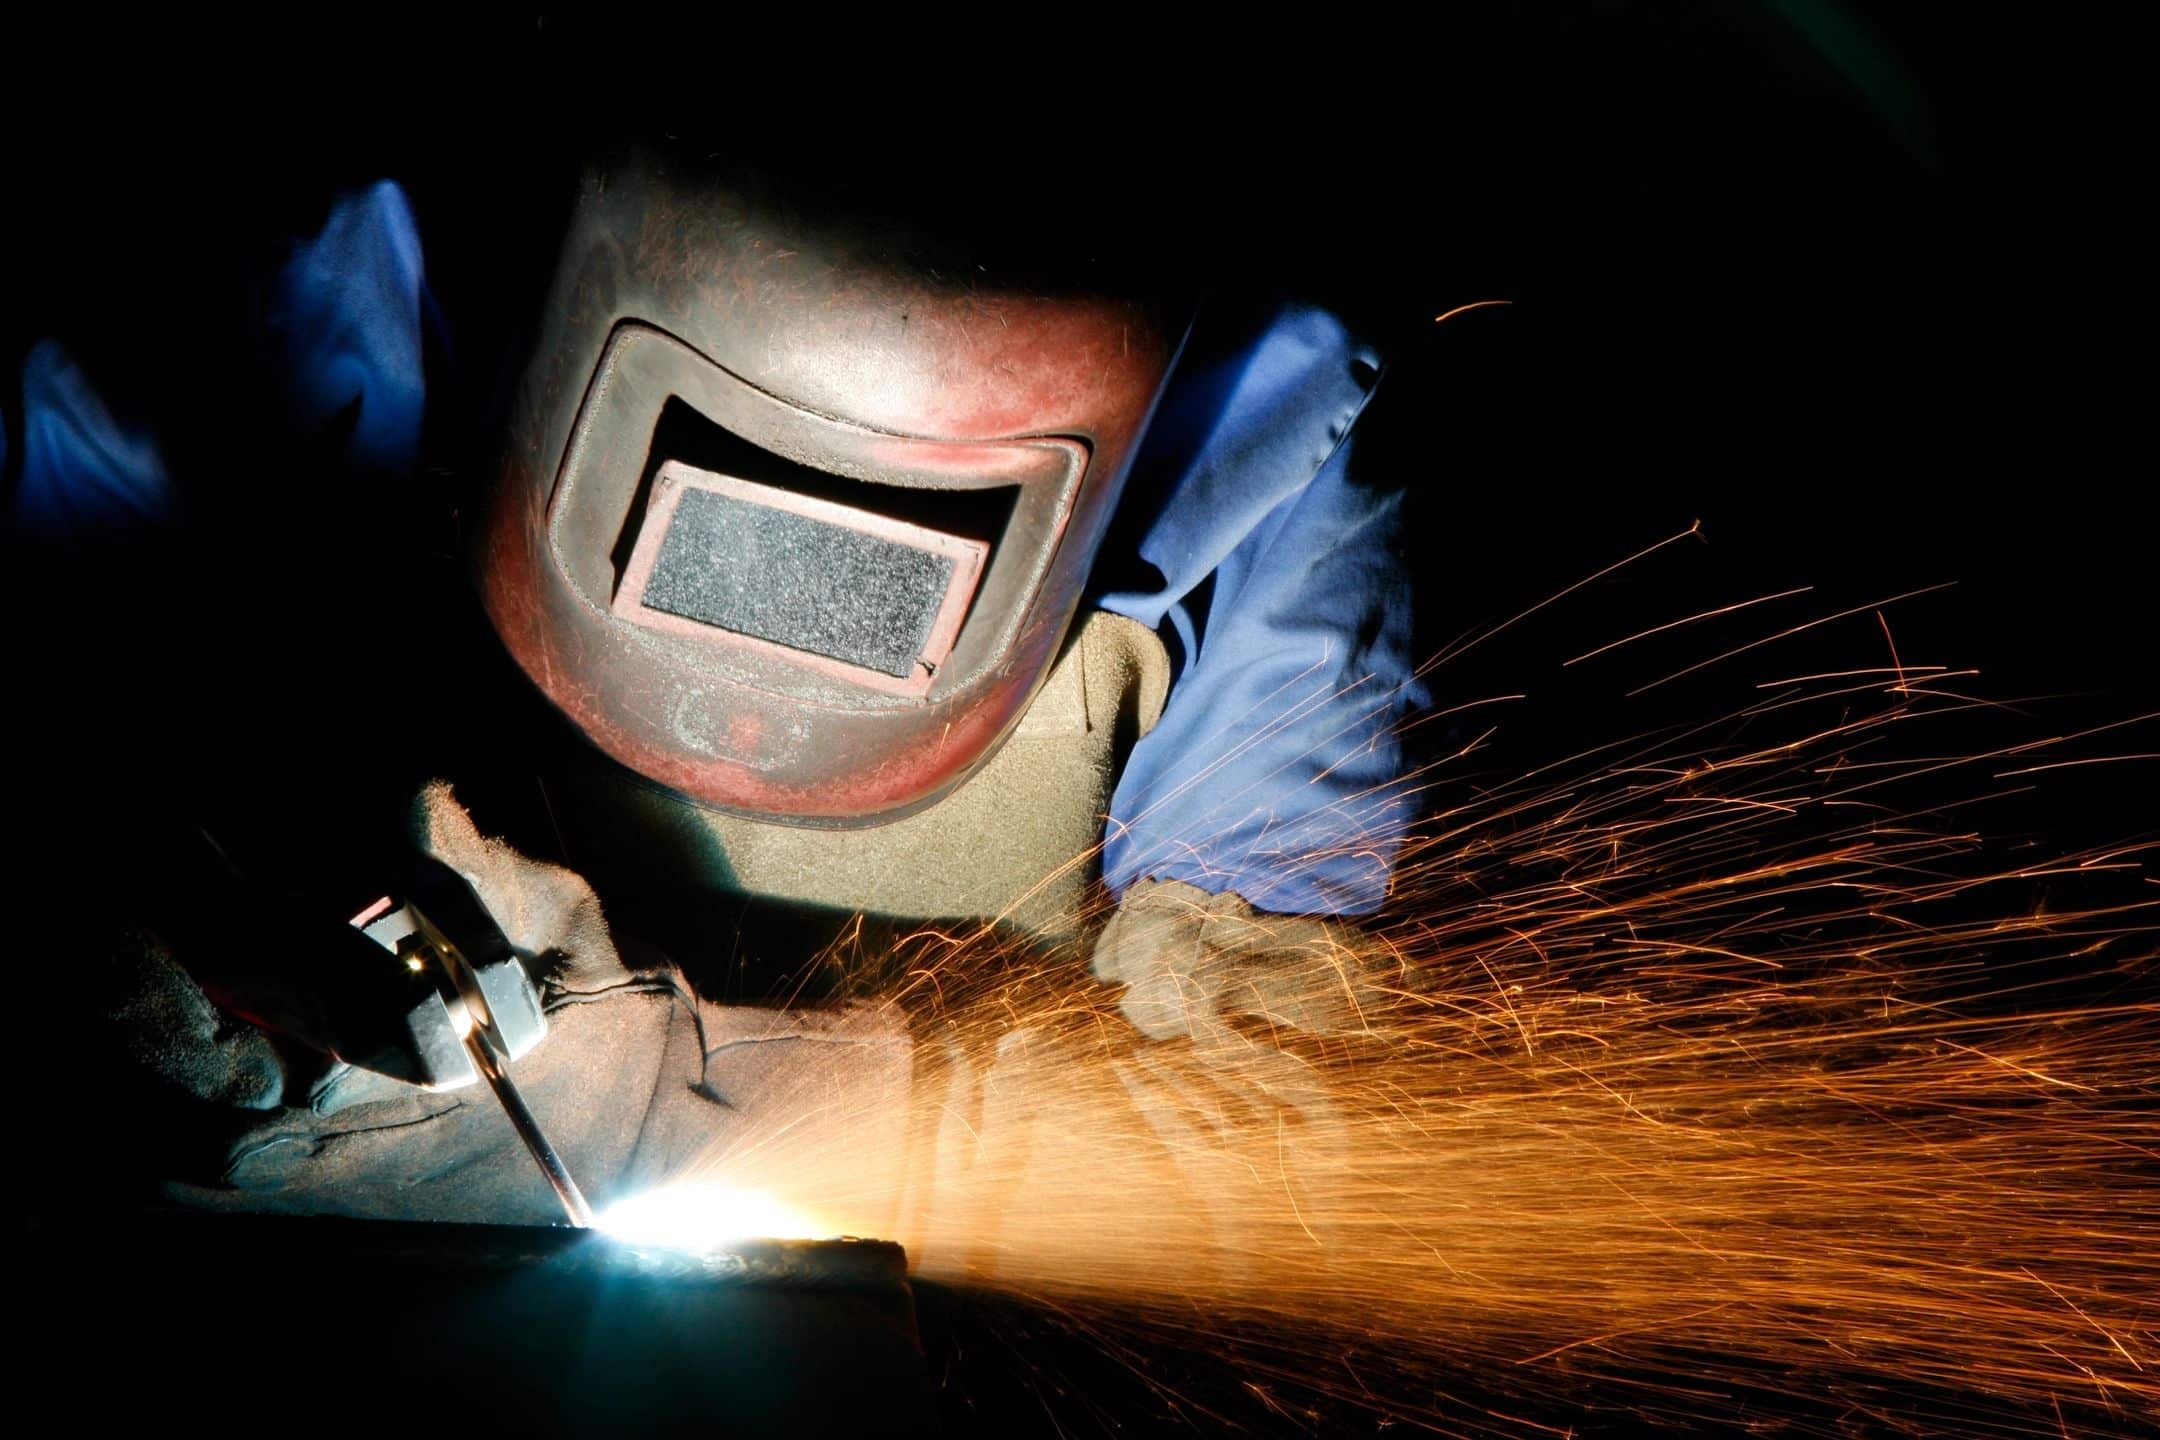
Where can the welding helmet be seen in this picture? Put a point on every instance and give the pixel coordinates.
(800, 494)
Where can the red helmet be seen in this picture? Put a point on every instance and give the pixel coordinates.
(798, 501)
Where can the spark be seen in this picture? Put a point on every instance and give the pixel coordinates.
(1446, 315)
(1667, 1064)
(1456, 652)
(1689, 620)
(2066, 764)
(1786, 634)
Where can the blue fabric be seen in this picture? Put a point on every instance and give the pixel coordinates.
(348, 307)
(1276, 768)
(83, 472)
(346, 311)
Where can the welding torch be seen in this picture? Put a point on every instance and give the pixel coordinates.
(483, 1011)
(422, 985)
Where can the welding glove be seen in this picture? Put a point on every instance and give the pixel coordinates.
(544, 911)
(1190, 960)
(635, 1080)
(164, 1023)
(1083, 1156)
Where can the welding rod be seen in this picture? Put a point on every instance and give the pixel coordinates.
(480, 1044)
(476, 1023)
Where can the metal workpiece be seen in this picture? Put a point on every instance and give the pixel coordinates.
(535, 1331)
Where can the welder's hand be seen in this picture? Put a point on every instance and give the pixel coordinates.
(173, 1004)
(1189, 959)
(544, 910)
(362, 1143)
(161, 1021)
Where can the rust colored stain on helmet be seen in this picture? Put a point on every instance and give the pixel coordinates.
(903, 450)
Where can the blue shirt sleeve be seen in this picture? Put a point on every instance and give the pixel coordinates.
(348, 308)
(1276, 770)
(83, 473)
(346, 311)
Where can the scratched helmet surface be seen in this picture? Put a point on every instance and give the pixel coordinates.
(800, 492)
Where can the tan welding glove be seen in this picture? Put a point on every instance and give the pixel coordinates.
(1081, 1158)
(638, 1082)
(162, 1020)
(1188, 960)
(544, 910)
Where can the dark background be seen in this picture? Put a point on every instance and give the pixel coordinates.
(1876, 323)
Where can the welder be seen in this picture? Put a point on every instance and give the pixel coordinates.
(903, 572)
(885, 568)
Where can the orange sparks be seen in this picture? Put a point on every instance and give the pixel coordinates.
(1665, 1052)
(1446, 315)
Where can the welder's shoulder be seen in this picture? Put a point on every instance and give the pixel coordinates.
(80, 469)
